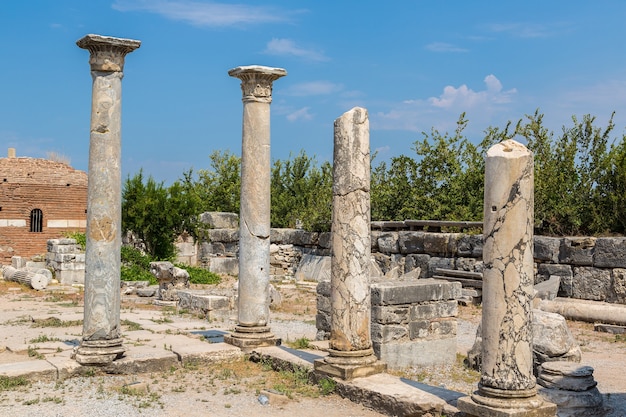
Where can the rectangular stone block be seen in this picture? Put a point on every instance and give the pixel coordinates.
(577, 250)
(591, 283)
(610, 252)
(388, 242)
(390, 314)
(411, 242)
(470, 246)
(322, 322)
(388, 333)
(430, 329)
(69, 277)
(419, 352)
(402, 292)
(434, 310)
(323, 303)
(228, 266)
(440, 244)
(546, 248)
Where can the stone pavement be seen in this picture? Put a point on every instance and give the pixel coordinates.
(158, 340)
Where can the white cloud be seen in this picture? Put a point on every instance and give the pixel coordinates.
(444, 47)
(210, 13)
(301, 114)
(289, 47)
(416, 115)
(466, 98)
(313, 88)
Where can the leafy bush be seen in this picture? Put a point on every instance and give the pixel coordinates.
(79, 237)
(136, 266)
(200, 275)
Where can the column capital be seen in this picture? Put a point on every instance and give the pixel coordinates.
(256, 81)
(107, 53)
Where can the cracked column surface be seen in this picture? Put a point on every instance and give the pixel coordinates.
(350, 353)
(254, 229)
(507, 382)
(101, 342)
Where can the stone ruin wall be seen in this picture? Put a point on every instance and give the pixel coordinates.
(589, 268)
(57, 189)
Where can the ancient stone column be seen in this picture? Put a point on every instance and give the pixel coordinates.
(507, 386)
(101, 342)
(254, 231)
(350, 354)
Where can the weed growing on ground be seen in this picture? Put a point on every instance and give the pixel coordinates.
(132, 326)
(301, 343)
(8, 383)
(42, 338)
(56, 322)
(33, 353)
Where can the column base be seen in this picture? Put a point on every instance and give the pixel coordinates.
(480, 405)
(350, 364)
(248, 338)
(98, 352)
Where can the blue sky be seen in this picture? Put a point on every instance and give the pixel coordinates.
(413, 64)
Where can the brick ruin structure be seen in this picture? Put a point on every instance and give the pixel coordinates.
(40, 199)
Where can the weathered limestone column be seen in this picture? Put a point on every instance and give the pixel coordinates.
(101, 342)
(254, 240)
(350, 354)
(507, 386)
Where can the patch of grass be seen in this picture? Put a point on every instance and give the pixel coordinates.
(301, 343)
(56, 322)
(326, 386)
(163, 320)
(31, 402)
(132, 326)
(33, 353)
(42, 338)
(55, 400)
(8, 383)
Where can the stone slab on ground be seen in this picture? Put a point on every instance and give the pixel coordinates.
(66, 366)
(139, 359)
(205, 352)
(396, 396)
(384, 393)
(37, 370)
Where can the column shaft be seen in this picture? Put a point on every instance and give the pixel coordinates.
(508, 276)
(101, 342)
(350, 354)
(254, 229)
(104, 220)
(254, 238)
(351, 241)
(507, 386)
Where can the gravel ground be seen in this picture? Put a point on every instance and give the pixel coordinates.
(232, 389)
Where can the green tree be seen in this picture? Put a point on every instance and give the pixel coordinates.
(157, 215)
(219, 187)
(301, 191)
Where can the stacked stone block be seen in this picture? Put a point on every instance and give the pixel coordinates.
(67, 260)
(413, 322)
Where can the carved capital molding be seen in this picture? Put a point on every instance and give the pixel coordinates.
(107, 53)
(256, 81)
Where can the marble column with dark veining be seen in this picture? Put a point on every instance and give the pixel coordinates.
(254, 233)
(507, 382)
(101, 341)
(350, 354)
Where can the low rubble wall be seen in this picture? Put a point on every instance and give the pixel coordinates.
(589, 268)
